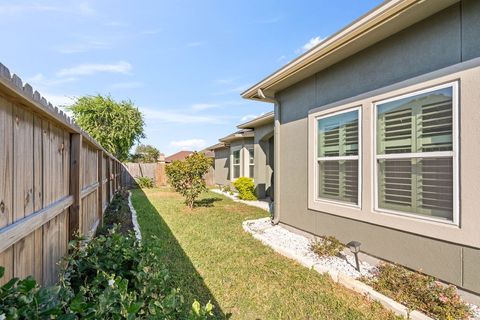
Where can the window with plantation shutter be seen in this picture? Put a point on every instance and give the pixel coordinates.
(415, 153)
(338, 157)
(235, 164)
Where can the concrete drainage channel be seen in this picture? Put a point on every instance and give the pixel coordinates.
(344, 278)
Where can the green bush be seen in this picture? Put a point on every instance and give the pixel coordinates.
(144, 182)
(245, 188)
(111, 277)
(326, 247)
(186, 176)
(420, 292)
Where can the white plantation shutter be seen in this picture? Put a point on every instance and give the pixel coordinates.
(415, 154)
(337, 157)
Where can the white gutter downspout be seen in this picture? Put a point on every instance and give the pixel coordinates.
(276, 157)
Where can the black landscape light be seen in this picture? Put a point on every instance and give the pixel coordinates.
(354, 247)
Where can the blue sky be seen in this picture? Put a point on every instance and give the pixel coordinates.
(183, 63)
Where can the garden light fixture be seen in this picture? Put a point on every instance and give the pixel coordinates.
(354, 247)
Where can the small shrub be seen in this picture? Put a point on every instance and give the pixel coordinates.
(245, 188)
(144, 182)
(420, 292)
(186, 176)
(326, 247)
(226, 188)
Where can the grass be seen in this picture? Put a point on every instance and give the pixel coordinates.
(211, 258)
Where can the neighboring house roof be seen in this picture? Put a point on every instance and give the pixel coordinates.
(383, 21)
(216, 146)
(258, 121)
(181, 155)
(240, 134)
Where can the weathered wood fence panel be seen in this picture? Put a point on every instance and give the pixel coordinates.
(55, 181)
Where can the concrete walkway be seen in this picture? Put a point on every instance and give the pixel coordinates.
(262, 204)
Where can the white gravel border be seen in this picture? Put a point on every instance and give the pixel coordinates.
(295, 246)
(136, 227)
(254, 203)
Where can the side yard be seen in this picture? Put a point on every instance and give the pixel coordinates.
(212, 258)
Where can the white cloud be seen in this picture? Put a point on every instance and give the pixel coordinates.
(126, 85)
(270, 20)
(281, 58)
(89, 69)
(250, 117)
(40, 81)
(168, 116)
(310, 44)
(189, 144)
(82, 8)
(83, 46)
(203, 106)
(195, 44)
(59, 100)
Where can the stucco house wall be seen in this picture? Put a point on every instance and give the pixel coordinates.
(442, 40)
(222, 166)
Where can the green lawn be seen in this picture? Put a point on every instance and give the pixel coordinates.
(212, 258)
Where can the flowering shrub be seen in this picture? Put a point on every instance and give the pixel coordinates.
(111, 277)
(245, 188)
(420, 292)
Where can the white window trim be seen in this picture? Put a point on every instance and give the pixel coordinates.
(358, 157)
(232, 150)
(454, 154)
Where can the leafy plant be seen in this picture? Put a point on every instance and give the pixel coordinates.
(226, 188)
(116, 125)
(25, 299)
(245, 188)
(327, 246)
(145, 154)
(145, 182)
(418, 291)
(111, 277)
(186, 176)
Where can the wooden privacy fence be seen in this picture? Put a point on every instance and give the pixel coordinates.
(55, 181)
(156, 172)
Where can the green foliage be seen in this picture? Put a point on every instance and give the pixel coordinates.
(145, 182)
(226, 188)
(186, 176)
(145, 154)
(328, 246)
(117, 214)
(112, 277)
(115, 125)
(245, 188)
(24, 299)
(419, 292)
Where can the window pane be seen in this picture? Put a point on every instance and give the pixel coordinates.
(338, 135)
(421, 123)
(236, 157)
(251, 155)
(338, 180)
(236, 171)
(251, 171)
(422, 186)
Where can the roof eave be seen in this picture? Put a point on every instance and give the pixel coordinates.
(381, 22)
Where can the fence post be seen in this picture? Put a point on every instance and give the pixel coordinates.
(75, 216)
(100, 187)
